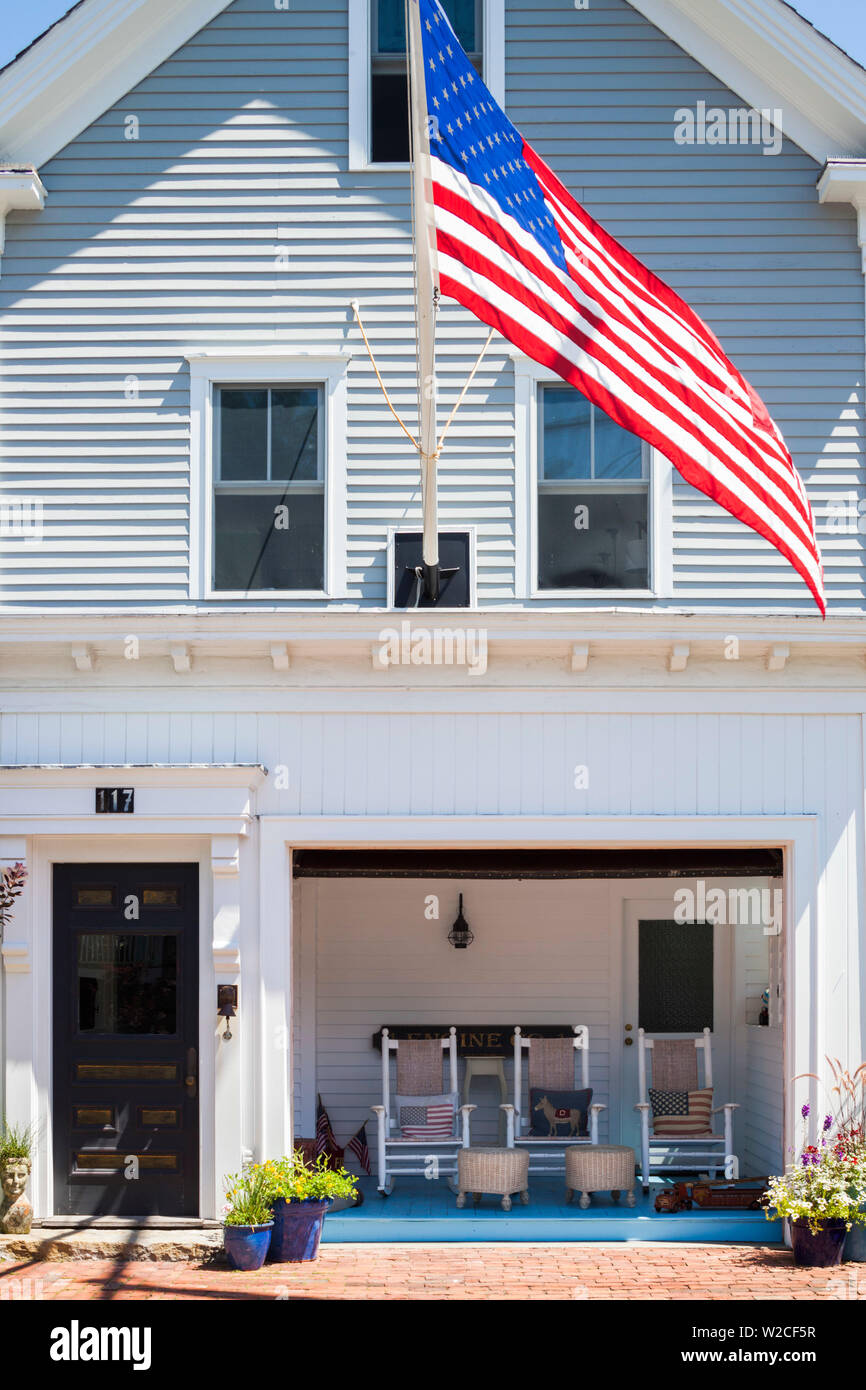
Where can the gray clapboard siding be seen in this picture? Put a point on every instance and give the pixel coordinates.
(149, 247)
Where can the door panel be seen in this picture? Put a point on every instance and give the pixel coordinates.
(125, 1039)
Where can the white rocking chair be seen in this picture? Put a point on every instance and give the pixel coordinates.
(674, 1065)
(552, 1066)
(419, 1078)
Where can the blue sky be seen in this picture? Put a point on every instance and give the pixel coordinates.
(844, 21)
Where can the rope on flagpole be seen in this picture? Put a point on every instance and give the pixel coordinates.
(459, 400)
(357, 312)
(356, 309)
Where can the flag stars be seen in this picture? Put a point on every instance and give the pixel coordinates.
(433, 64)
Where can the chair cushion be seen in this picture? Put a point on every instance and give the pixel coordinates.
(681, 1113)
(426, 1117)
(558, 1114)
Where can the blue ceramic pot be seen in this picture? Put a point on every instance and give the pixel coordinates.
(855, 1245)
(247, 1246)
(297, 1230)
(819, 1251)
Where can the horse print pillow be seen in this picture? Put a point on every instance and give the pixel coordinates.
(559, 1114)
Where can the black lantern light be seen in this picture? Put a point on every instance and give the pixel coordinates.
(460, 936)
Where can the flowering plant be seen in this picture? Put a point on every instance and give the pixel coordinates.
(293, 1180)
(826, 1182)
(247, 1200)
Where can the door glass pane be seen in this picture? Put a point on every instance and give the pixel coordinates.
(675, 977)
(127, 984)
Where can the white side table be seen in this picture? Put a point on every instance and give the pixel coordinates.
(487, 1066)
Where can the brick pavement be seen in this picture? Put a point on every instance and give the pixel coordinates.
(438, 1272)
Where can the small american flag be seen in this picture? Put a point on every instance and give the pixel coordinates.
(357, 1145)
(519, 251)
(325, 1141)
(427, 1121)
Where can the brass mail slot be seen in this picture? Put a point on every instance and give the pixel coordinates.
(113, 1163)
(147, 1116)
(86, 1115)
(125, 1071)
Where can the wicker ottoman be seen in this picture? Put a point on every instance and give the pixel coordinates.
(599, 1168)
(500, 1171)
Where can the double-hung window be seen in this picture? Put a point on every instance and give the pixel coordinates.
(389, 109)
(593, 500)
(268, 487)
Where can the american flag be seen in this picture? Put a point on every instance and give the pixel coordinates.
(325, 1141)
(427, 1121)
(357, 1145)
(515, 247)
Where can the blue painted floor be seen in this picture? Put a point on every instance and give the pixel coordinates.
(418, 1210)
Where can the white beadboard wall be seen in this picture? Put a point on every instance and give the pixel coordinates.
(152, 246)
(544, 952)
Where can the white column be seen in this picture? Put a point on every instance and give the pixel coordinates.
(274, 1127)
(227, 1056)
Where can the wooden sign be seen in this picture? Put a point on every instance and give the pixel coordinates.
(483, 1040)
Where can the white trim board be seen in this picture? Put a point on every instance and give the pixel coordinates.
(762, 49)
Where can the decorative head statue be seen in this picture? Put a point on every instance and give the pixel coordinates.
(13, 1176)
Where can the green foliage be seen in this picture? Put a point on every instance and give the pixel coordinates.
(247, 1201)
(290, 1178)
(16, 1141)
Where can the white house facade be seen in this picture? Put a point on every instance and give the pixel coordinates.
(232, 755)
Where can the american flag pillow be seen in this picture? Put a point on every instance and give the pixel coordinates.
(426, 1117)
(681, 1114)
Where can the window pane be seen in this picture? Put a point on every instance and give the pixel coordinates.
(127, 984)
(592, 539)
(566, 437)
(243, 433)
(389, 114)
(269, 539)
(618, 454)
(675, 977)
(390, 33)
(295, 434)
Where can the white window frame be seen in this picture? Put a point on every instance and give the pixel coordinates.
(360, 59)
(528, 376)
(211, 369)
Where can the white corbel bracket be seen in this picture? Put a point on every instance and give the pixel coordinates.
(226, 959)
(579, 656)
(21, 190)
(82, 655)
(279, 654)
(678, 657)
(180, 658)
(777, 656)
(844, 181)
(16, 957)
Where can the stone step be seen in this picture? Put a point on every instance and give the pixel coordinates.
(65, 1243)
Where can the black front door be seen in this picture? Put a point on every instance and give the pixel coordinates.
(125, 1039)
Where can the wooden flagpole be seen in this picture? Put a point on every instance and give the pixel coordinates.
(426, 297)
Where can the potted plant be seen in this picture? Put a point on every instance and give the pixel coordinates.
(822, 1195)
(300, 1195)
(16, 1213)
(248, 1219)
(848, 1102)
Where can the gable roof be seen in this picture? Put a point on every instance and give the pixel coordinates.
(762, 49)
